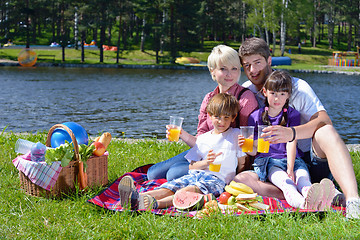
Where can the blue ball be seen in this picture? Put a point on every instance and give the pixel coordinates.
(59, 135)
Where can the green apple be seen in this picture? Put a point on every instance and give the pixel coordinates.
(231, 200)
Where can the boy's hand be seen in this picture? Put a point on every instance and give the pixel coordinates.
(211, 156)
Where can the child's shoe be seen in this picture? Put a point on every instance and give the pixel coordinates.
(353, 208)
(127, 192)
(313, 197)
(329, 193)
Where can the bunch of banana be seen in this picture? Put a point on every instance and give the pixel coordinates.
(235, 188)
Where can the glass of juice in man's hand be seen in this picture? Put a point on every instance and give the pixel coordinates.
(248, 133)
(262, 145)
(175, 128)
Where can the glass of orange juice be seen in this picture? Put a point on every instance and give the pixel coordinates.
(216, 165)
(248, 134)
(262, 145)
(175, 128)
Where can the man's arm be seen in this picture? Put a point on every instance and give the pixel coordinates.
(280, 134)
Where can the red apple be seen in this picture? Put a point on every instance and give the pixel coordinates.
(99, 149)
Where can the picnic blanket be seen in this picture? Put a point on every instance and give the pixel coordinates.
(109, 198)
(38, 172)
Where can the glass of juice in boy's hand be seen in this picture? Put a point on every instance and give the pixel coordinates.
(263, 145)
(175, 128)
(248, 133)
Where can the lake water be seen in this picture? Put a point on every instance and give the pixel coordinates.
(137, 103)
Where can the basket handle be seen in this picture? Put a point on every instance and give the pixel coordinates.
(73, 138)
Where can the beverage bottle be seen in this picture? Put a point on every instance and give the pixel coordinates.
(38, 152)
(23, 146)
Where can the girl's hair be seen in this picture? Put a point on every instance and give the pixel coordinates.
(278, 81)
(225, 55)
(223, 104)
(252, 46)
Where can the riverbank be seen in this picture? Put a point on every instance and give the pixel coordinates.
(10, 63)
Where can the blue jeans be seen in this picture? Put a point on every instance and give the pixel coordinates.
(170, 169)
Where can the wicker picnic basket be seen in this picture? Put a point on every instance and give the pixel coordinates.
(97, 172)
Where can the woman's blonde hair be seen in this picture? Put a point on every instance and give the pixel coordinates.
(222, 54)
(223, 104)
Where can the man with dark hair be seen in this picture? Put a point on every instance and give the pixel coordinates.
(324, 150)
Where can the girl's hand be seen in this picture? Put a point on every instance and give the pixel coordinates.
(291, 174)
(241, 140)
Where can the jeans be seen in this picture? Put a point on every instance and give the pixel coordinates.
(172, 168)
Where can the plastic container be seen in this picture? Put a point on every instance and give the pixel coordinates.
(38, 152)
(23, 146)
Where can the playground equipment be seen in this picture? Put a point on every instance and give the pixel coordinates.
(345, 59)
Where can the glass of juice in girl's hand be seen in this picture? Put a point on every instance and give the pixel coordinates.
(175, 128)
(263, 145)
(248, 134)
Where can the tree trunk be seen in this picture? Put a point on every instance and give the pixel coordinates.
(265, 22)
(331, 25)
(349, 38)
(143, 36)
(283, 27)
(274, 43)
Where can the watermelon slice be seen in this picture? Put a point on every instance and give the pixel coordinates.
(188, 201)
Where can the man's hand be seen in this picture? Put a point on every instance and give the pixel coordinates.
(278, 134)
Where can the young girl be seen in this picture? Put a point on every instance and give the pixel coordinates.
(202, 178)
(282, 165)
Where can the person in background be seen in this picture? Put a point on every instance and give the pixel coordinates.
(225, 68)
(202, 177)
(324, 151)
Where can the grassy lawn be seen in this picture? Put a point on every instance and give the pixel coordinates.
(27, 217)
(309, 59)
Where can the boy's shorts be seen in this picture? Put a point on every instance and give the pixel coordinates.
(207, 183)
(318, 167)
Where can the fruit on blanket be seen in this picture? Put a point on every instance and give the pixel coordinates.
(233, 191)
(241, 187)
(231, 200)
(185, 200)
(224, 197)
(99, 149)
(209, 209)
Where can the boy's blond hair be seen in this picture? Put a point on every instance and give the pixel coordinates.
(222, 54)
(223, 104)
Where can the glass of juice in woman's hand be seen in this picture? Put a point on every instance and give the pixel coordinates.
(175, 128)
(248, 133)
(263, 145)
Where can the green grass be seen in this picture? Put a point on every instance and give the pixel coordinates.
(309, 59)
(28, 217)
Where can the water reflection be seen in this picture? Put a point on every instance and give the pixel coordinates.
(138, 102)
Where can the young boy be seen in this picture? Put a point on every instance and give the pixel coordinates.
(222, 110)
